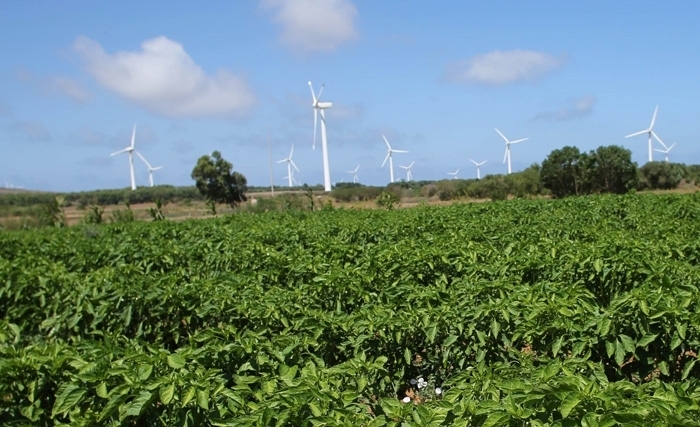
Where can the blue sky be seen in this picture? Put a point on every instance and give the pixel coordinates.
(434, 77)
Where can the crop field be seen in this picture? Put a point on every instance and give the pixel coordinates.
(582, 311)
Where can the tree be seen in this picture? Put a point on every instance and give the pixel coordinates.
(217, 182)
(563, 172)
(660, 175)
(611, 170)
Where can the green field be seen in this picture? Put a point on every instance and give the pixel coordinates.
(581, 311)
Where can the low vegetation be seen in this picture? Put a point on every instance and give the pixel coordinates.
(580, 311)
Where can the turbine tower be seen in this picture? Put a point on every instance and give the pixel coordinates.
(478, 173)
(290, 163)
(508, 144)
(150, 168)
(665, 150)
(454, 174)
(322, 106)
(130, 149)
(354, 174)
(389, 156)
(409, 176)
(650, 132)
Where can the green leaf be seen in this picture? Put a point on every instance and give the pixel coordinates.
(557, 345)
(166, 393)
(496, 418)
(203, 399)
(627, 343)
(688, 367)
(101, 390)
(675, 341)
(188, 396)
(598, 265)
(136, 406)
(681, 328)
(315, 409)
(619, 353)
(646, 340)
(67, 397)
(569, 403)
(495, 328)
(176, 361)
(407, 356)
(145, 371)
(609, 348)
(450, 340)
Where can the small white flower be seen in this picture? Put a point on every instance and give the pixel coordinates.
(421, 380)
(438, 390)
(406, 399)
(413, 381)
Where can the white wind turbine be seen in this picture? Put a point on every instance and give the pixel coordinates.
(478, 173)
(150, 168)
(321, 106)
(389, 156)
(409, 176)
(130, 149)
(354, 174)
(666, 149)
(454, 174)
(650, 132)
(290, 164)
(508, 144)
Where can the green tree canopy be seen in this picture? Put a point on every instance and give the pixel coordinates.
(660, 175)
(217, 182)
(563, 172)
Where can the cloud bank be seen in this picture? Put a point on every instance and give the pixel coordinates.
(314, 25)
(164, 79)
(503, 67)
(575, 108)
(52, 85)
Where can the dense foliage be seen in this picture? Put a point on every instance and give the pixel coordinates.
(217, 181)
(582, 311)
(568, 172)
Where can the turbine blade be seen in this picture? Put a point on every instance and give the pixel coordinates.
(658, 139)
(411, 165)
(318, 98)
(156, 168)
(291, 151)
(294, 165)
(148, 165)
(473, 162)
(653, 118)
(519, 140)
(385, 159)
(282, 161)
(505, 156)
(659, 150)
(127, 149)
(133, 136)
(387, 142)
(502, 136)
(313, 95)
(399, 151)
(637, 133)
(671, 146)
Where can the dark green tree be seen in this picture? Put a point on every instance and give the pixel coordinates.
(563, 172)
(218, 182)
(610, 169)
(660, 175)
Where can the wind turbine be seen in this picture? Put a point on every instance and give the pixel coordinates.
(354, 174)
(321, 106)
(409, 176)
(666, 149)
(508, 144)
(478, 174)
(454, 174)
(390, 151)
(650, 132)
(290, 164)
(150, 168)
(130, 149)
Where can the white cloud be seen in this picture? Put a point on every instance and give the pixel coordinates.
(503, 67)
(314, 25)
(163, 78)
(52, 85)
(574, 108)
(33, 131)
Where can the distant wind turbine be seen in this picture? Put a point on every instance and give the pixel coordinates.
(322, 106)
(508, 144)
(454, 174)
(478, 174)
(290, 163)
(150, 168)
(409, 176)
(354, 174)
(130, 149)
(389, 155)
(666, 149)
(649, 131)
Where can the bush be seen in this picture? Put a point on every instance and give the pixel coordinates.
(660, 176)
